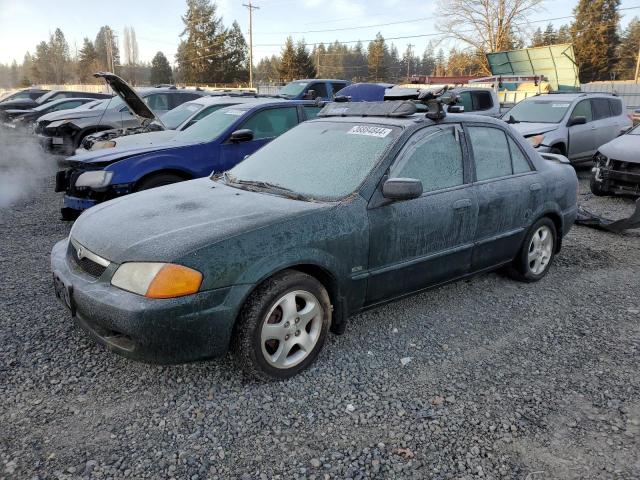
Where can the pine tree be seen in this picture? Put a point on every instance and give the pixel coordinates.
(628, 50)
(564, 35)
(236, 56)
(595, 38)
(58, 57)
(41, 66)
(549, 36)
(441, 64)
(201, 53)
(87, 62)
(377, 53)
(287, 65)
(304, 63)
(428, 61)
(160, 70)
(537, 39)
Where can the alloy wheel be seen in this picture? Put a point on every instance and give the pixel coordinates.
(540, 250)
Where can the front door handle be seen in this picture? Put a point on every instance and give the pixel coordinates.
(462, 203)
(535, 187)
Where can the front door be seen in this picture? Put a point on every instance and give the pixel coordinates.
(427, 240)
(582, 141)
(266, 125)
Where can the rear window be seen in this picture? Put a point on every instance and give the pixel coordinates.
(600, 107)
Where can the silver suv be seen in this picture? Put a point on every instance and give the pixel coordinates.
(571, 124)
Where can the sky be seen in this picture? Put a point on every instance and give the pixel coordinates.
(158, 24)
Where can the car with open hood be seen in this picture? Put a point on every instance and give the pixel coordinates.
(25, 119)
(130, 109)
(617, 166)
(367, 203)
(215, 143)
(571, 124)
(173, 121)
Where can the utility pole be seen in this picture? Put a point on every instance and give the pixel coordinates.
(637, 66)
(251, 8)
(409, 47)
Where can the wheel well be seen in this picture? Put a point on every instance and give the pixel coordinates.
(560, 146)
(178, 173)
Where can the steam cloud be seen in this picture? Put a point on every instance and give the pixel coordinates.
(23, 166)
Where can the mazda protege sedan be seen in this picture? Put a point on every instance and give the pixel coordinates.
(363, 205)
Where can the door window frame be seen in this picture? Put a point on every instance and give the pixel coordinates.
(242, 122)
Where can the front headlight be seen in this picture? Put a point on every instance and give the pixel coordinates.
(536, 140)
(97, 179)
(101, 145)
(157, 280)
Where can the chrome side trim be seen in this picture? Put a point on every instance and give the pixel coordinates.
(82, 252)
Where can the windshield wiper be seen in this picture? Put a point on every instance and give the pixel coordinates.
(258, 185)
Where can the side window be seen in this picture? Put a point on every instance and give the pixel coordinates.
(520, 162)
(435, 158)
(66, 105)
(182, 97)
(58, 96)
(583, 109)
(616, 106)
(271, 123)
(481, 100)
(600, 108)
(466, 102)
(337, 87)
(320, 89)
(311, 112)
(490, 152)
(157, 102)
(203, 113)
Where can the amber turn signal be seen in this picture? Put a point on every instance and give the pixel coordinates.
(174, 281)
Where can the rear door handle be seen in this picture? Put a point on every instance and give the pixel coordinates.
(534, 187)
(462, 203)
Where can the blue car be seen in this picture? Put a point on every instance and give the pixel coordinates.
(214, 144)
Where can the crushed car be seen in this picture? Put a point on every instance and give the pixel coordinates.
(367, 203)
(215, 143)
(616, 167)
(571, 124)
(65, 135)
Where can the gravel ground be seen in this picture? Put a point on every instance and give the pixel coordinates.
(485, 378)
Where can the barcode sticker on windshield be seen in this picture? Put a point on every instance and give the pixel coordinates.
(369, 131)
(559, 105)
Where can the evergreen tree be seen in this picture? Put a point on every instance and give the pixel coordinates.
(267, 70)
(358, 63)
(549, 36)
(537, 40)
(563, 35)
(428, 61)
(58, 57)
(287, 65)
(14, 74)
(303, 61)
(87, 62)
(320, 57)
(27, 70)
(105, 39)
(595, 38)
(628, 51)
(441, 64)
(377, 53)
(201, 55)
(236, 58)
(160, 70)
(41, 66)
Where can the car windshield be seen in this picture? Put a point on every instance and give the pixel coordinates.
(293, 89)
(538, 111)
(175, 117)
(211, 126)
(320, 160)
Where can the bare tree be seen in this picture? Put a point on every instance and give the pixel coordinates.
(130, 46)
(486, 25)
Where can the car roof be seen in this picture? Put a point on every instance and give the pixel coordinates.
(570, 96)
(415, 119)
(214, 100)
(148, 90)
(320, 80)
(268, 102)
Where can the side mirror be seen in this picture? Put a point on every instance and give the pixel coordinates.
(576, 121)
(310, 95)
(402, 188)
(243, 135)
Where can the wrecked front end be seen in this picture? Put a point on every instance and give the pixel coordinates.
(99, 140)
(58, 136)
(610, 176)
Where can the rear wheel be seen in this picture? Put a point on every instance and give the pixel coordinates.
(537, 252)
(158, 180)
(282, 326)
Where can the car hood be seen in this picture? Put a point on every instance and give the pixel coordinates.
(72, 114)
(528, 129)
(110, 155)
(137, 106)
(166, 223)
(625, 148)
(148, 139)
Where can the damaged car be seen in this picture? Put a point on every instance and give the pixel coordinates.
(65, 135)
(216, 143)
(616, 167)
(27, 93)
(365, 204)
(27, 103)
(570, 124)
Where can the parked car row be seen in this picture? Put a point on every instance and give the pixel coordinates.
(339, 211)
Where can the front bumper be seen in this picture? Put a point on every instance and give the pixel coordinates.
(60, 145)
(616, 180)
(78, 203)
(175, 330)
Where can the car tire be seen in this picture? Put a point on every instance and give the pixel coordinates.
(158, 180)
(537, 252)
(596, 187)
(282, 326)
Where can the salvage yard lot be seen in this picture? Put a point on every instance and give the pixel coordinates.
(500, 380)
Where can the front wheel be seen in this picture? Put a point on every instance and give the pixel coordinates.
(282, 326)
(537, 252)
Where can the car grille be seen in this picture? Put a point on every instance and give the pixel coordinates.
(83, 261)
(625, 166)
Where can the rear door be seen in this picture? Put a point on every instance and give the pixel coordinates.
(508, 191)
(606, 128)
(582, 141)
(427, 240)
(266, 125)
